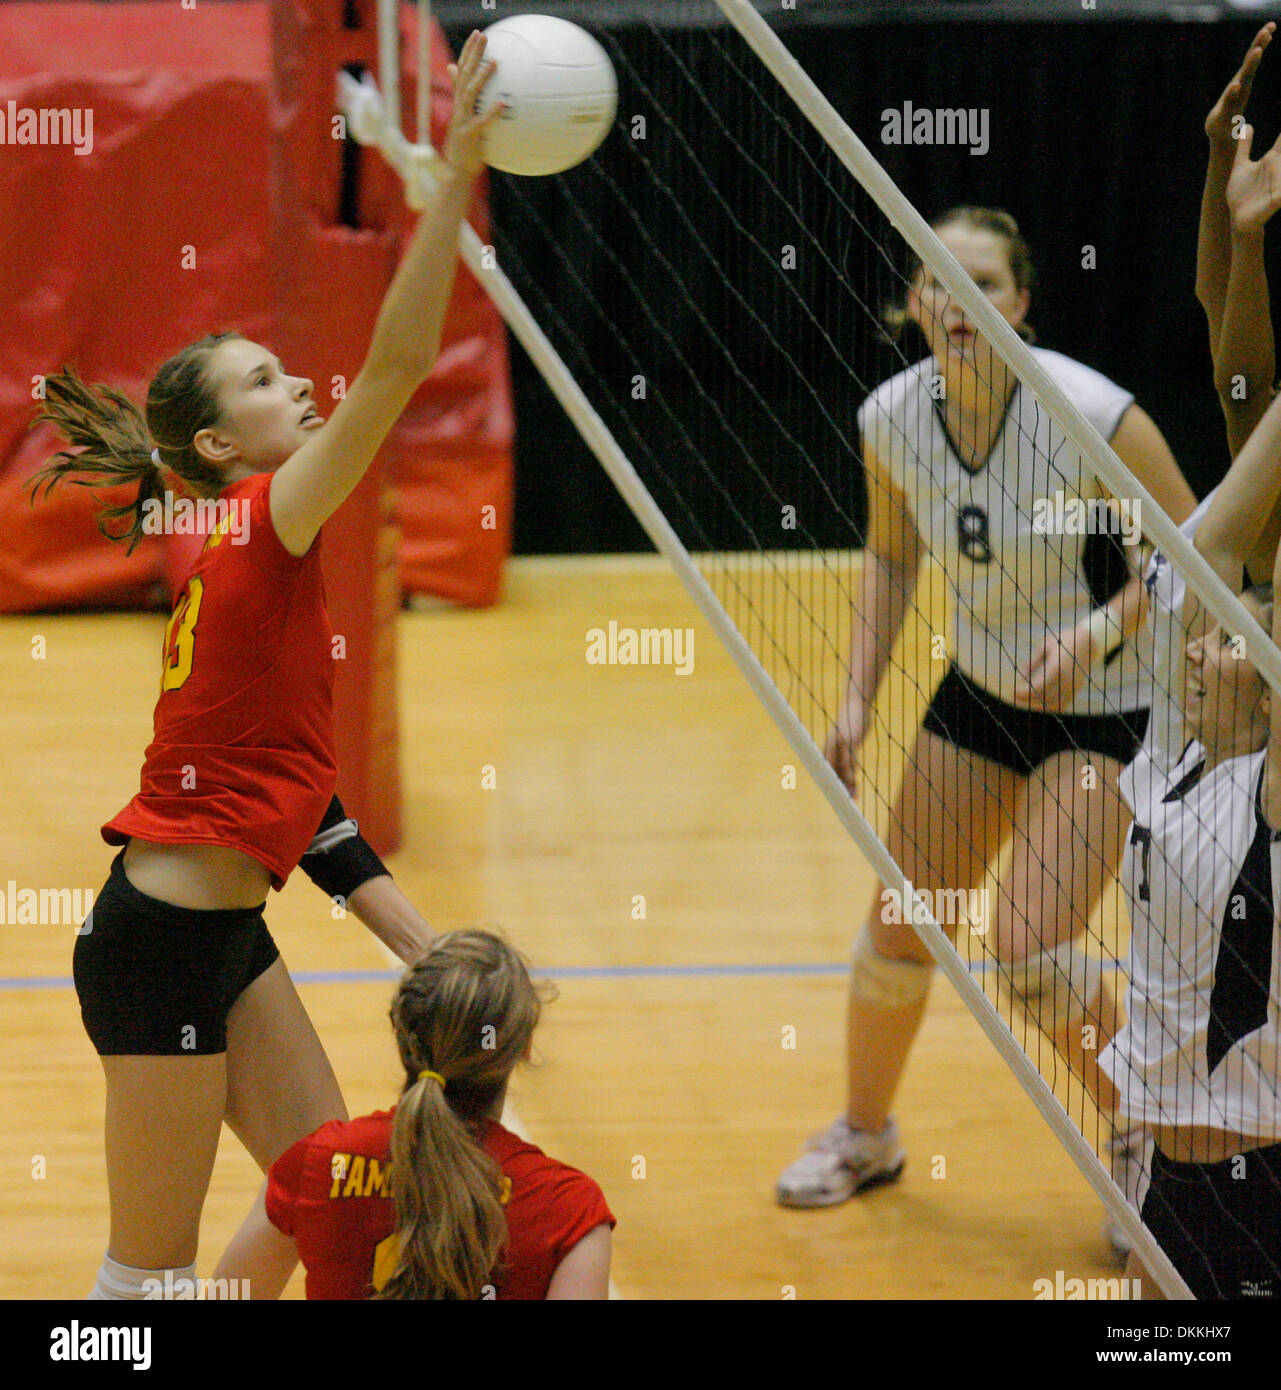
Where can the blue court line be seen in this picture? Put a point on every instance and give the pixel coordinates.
(564, 972)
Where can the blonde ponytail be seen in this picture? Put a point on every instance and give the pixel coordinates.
(466, 1011)
(448, 1211)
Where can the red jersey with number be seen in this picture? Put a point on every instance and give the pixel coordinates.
(242, 753)
(332, 1193)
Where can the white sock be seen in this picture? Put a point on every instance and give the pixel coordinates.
(117, 1282)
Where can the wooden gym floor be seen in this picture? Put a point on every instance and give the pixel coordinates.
(663, 1070)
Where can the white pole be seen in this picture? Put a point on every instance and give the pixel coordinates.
(389, 58)
(422, 131)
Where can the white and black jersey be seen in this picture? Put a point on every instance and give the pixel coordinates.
(1202, 878)
(1014, 579)
(1163, 628)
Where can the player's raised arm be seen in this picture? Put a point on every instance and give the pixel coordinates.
(317, 479)
(1234, 522)
(1272, 777)
(1245, 365)
(1214, 234)
(1231, 526)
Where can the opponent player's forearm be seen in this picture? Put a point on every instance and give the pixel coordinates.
(1259, 563)
(1213, 250)
(392, 918)
(1272, 763)
(1244, 502)
(1245, 366)
(887, 593)
(407, 333)
(1127, 608)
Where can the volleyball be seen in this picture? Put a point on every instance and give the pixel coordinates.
(560, 91)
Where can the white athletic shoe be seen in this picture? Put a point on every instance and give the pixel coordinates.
(1129, 1153)
(839, 1163)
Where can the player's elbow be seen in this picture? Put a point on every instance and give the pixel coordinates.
(1230, 384)
(1242, 394)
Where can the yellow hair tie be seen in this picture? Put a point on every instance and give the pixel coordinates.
(435, 1075)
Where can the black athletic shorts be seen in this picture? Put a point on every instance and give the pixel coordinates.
(158, 980)
(1220, 1223)
(1022, 739)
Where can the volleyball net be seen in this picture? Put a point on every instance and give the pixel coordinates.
(730, 422)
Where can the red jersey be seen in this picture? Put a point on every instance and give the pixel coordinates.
(242, 753)
(331, 1192)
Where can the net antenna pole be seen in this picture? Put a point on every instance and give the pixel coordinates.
(389, 58)
(422, 130)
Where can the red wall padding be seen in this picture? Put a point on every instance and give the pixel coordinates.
(93, 250)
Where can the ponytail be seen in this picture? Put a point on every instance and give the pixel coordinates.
(464, 1017)
(115, 438)
(448, 1209)
(116, 449)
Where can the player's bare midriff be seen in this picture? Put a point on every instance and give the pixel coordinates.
(1196, 1144)
(196, 876)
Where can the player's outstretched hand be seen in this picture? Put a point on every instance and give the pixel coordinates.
(465, 142)
(1254, 185)
(1223, 124)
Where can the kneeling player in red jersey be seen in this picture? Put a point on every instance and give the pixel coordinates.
(434, 1199)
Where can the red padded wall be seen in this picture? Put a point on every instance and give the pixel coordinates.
(93, 247)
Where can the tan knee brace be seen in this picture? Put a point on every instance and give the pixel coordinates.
(884, 982)
(1065, 981)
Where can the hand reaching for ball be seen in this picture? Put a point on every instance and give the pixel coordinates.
(465, 140)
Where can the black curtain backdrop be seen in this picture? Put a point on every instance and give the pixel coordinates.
(1096, 140)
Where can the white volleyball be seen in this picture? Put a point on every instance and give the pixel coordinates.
(560, 91)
